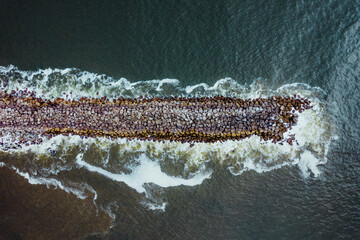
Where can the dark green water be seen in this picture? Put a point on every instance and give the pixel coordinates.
(313, 42)
(194, 41)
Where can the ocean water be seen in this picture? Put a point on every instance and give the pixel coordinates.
(248, 189)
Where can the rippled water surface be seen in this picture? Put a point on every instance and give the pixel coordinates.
(247, 189)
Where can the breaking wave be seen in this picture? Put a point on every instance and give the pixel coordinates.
(149, 167)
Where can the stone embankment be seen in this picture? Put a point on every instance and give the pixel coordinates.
(204, 119)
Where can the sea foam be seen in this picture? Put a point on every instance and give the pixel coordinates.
(138, 163)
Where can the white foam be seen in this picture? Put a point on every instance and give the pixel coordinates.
(308, 164)
(313, 130)
(190, 89)
(147, 172)
(247, 154)
(155, 207)
(110, 211)
(313, 134)
(56, 82)
(173, 82)
(50, 182)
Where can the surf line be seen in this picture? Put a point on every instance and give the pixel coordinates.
(181, 119)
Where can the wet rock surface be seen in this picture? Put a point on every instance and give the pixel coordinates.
(197, 119)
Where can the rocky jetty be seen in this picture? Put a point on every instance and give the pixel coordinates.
(195, 119)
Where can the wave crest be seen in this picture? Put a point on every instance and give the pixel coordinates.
(120, 159)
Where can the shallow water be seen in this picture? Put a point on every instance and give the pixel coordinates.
(234, 190)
